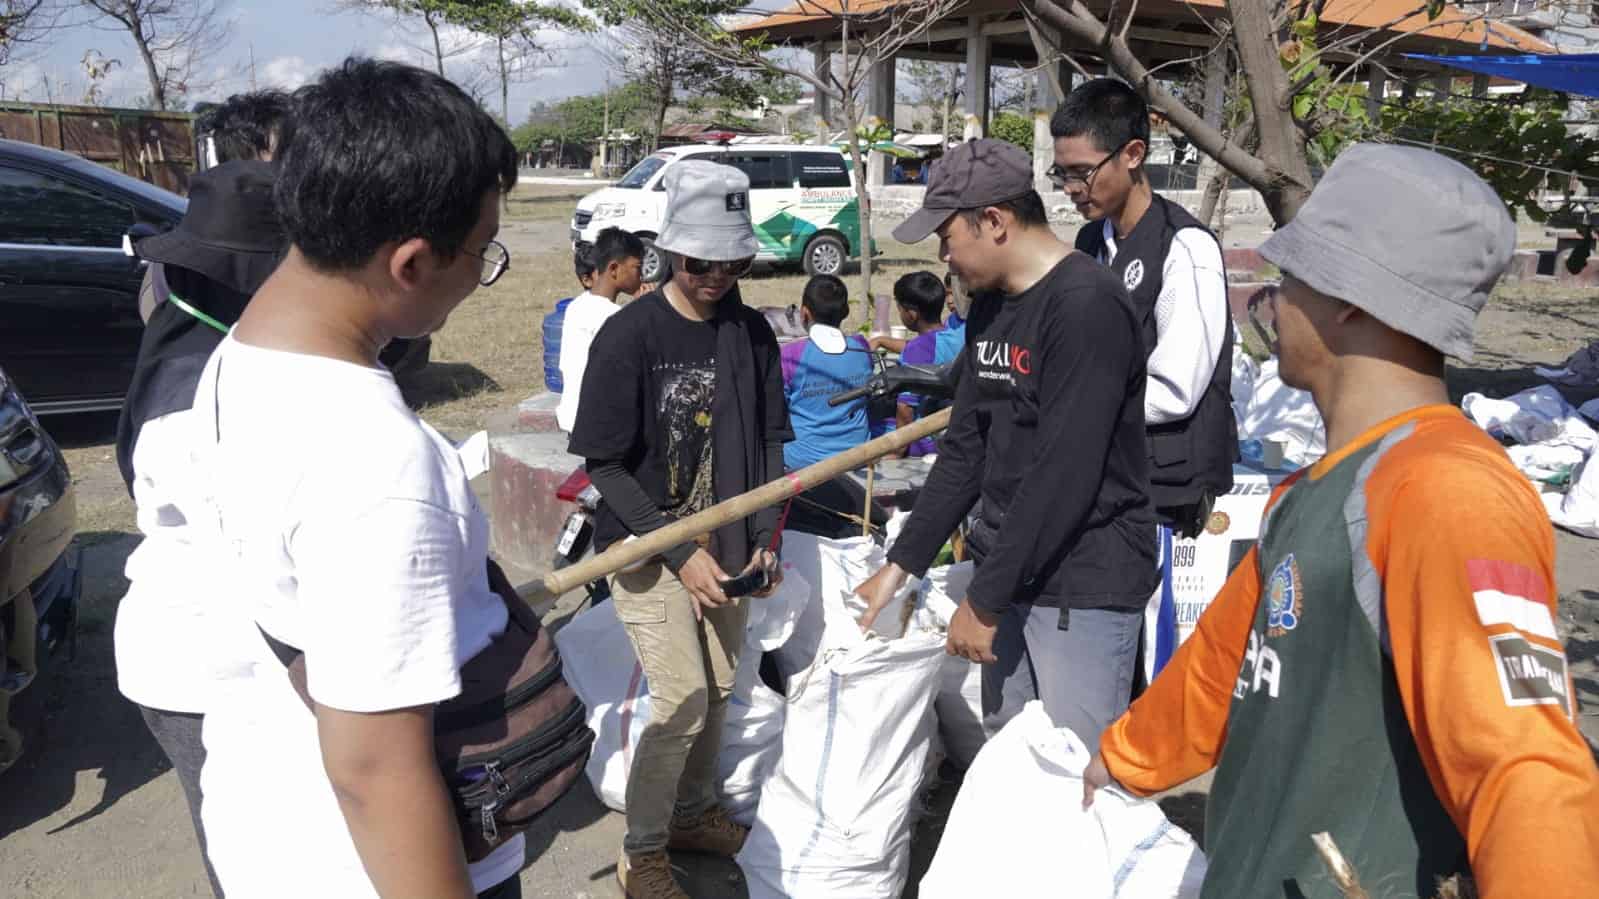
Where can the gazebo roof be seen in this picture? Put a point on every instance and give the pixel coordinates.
(1454, 31)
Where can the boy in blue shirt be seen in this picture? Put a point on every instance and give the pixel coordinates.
(810, 376)
(921, 297)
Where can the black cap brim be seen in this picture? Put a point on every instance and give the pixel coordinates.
(920, 225)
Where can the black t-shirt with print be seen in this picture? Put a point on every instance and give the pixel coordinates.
(1048, 431)
(647, 402)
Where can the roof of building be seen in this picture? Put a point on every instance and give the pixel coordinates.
(1464, 31)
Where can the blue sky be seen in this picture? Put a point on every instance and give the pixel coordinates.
(291, 40)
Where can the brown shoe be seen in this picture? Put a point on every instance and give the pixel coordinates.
(712, 832)
(648, 876)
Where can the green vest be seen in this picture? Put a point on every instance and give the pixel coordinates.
(1316, 737)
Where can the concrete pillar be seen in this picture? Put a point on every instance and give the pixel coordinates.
(1043, 151)
(1441, 86)
(1376, 87)
(880, 101)
(1479, 85)
(823, 107)
(880, 105)
(1407, 90)
(977, 57)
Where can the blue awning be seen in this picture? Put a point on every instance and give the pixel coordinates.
(1571, 73)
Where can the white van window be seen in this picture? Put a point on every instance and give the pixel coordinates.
(640, 175)
(821, 170)
(766, 170)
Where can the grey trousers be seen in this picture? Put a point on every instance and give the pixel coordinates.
(179, 736)
(1083, 675)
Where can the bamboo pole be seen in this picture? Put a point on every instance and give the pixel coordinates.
(792, 484)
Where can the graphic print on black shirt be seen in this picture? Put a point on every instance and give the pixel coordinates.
(1003, 360)
(683, 414)
(1048, 431)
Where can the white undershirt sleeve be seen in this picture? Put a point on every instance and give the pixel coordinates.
(1190, 317)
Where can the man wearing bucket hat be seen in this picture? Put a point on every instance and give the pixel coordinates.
(1046, 442)
(682, 406)
(227, 244)
(243, 127)
(1384, 665)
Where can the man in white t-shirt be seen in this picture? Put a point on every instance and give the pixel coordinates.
(346, 525)
(225, 247)
(618, 260)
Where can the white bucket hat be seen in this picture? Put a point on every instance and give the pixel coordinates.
(707, 212)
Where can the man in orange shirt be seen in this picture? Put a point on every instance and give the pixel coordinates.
(1384, 666)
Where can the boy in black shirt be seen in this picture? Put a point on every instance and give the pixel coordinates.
(1047, 442)
(682, 407)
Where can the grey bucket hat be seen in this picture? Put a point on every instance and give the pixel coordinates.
(1411, 237)
(707, 212)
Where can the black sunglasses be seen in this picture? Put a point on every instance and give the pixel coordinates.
(699, 268)
(1063, 178)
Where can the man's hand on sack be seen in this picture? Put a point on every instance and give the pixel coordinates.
(765, 558)
(1095, 776)
(878, 591)
(702, 577)
(971, 633)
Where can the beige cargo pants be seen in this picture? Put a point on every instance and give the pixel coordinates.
(690, 666)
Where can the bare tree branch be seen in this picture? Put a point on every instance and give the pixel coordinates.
(173, 38)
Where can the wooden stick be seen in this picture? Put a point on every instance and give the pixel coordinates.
(1342, 873)
(794, 483)
(866, 523)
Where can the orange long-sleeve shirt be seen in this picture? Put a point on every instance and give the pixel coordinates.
(1450, 549)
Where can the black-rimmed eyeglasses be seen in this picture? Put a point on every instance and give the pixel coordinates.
(1065, 178)
(496, 261)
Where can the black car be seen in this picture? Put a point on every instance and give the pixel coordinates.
(69, 289)
(69, 282)
(40, 579)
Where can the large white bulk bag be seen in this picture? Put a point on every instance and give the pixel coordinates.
(833, 819)
(1018, 828)
(958, 705)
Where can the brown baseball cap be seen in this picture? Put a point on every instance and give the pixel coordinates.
(973, 175)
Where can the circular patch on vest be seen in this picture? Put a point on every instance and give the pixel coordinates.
(1284, 598)
(1218, 523)
(1134, 275)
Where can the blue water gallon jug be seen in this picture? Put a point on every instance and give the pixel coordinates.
(552, 345)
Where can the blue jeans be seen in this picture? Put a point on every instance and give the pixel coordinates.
(1083, 675)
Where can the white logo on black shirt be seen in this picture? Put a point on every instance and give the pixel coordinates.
(1134, 275)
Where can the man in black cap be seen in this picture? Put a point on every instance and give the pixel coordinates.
(245, 126)
(1047, 442)
(227, 244)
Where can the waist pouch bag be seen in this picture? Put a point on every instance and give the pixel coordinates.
(513, 741)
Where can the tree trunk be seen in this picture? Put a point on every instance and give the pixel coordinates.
(663, 101)
(863, 201)
(158, 88)
(505, 80)
(438, 48)
(1282, 146)
(1215, 188)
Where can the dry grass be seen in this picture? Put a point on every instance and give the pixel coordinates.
(490, 354)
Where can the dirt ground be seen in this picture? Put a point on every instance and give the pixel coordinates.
(92, 811)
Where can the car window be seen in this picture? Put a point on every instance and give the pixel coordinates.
(39, 209)
(766, 170)
(821, 170)
(640, 175)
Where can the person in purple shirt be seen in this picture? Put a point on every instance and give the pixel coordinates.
(814, 369)
(921, 297)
